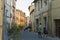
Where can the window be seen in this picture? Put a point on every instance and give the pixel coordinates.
(10, 15)
(37, 21)
(38, 6)
(45, 1)
(8, 2)
(6, 11)
(41, 3)
(45, 21)
(8, 25)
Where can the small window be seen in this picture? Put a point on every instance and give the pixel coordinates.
(38, 6)
(6, 11)
(41, 3)
(10, 15)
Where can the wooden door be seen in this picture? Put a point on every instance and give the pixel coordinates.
(57, 24)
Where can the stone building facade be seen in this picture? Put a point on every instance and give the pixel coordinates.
(31, 9)
(49, 15)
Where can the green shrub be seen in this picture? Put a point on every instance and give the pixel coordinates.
(14, 29)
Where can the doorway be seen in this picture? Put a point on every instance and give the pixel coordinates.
(57, 27)
(37, 24)
(45, 24)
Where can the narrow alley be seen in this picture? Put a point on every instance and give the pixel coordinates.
(29, 19)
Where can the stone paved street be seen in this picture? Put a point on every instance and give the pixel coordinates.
(33, 36)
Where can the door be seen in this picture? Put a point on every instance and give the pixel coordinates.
(57, 24)
(45, 24)
(37, 23)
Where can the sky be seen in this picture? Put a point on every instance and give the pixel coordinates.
(23, 5)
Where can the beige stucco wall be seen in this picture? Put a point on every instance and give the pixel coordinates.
(31, 9)
(32, 20)
(55, 12)
(1, 23)
(0, 33)
(56, 9)
(1, 17)
(55, 3)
